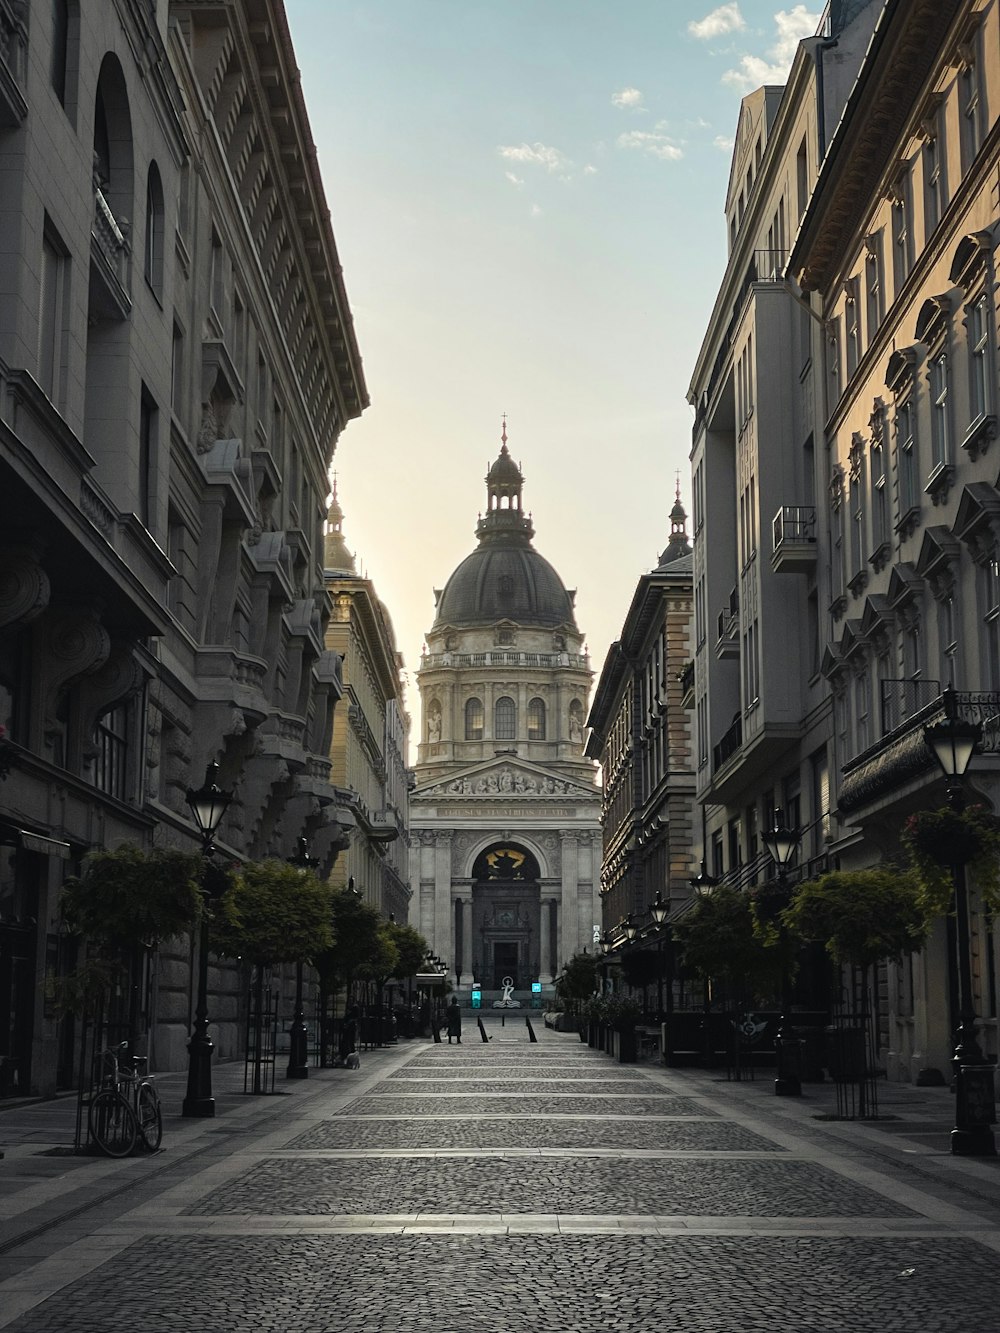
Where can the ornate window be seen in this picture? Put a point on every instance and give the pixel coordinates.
(852, 324)
(152, 255)
(901, 195)
(980, 371)
(880, 499)
(874, 280)
(990, 602)
(900, 381)
(933, 133)
(858, 572)
(505, 719)
(111, 763)
(473, 719)
(536, 720)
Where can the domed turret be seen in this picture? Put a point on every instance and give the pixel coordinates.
(505, 578)
(336, 556)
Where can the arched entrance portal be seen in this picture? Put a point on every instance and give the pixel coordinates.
(505, 916)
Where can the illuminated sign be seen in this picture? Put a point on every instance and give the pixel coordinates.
(536, 988)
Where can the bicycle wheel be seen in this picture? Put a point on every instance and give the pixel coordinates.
(149, 1116)
(112, 1124)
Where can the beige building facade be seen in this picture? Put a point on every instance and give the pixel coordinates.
(370, 733)
(505, 812)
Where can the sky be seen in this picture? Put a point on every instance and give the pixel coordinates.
(527, 198)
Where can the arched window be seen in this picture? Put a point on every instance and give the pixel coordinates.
(505, 719)
(473, 719)
(152, 265)
(536, 720)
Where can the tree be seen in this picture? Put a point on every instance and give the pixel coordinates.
(355, 939)
(719, 942)
(579, 978)
(125, 902)
(411, 947)
(274, 913)
(861, 916)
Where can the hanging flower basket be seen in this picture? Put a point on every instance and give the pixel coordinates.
(936, 841)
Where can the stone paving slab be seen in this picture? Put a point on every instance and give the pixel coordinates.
(477, 1084)
(510, 1073)
(441, 1282)
(530, 1103)
(781, 1187)
(675, 1135)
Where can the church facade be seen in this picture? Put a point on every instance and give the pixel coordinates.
(505, 815)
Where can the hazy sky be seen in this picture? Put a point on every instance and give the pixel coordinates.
(527, 198)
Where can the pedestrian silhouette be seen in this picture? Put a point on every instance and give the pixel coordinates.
(454, 1021)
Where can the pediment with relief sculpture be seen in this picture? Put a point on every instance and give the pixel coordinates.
(503, 777)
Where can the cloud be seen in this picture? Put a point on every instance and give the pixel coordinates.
(537, 154)
(724, 143)
(727, 18)
(656, 145)
(791, 26)
(536, 212)
(514, 180)
(628, 97)
(590, 170)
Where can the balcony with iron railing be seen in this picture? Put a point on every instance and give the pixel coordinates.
(794, 544)
(109, 259)
(13, 62)
(686, 679)
(728, 642)
(900, 756)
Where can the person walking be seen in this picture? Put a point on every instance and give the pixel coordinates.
(454, 1021)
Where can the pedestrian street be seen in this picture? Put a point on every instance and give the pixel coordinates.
(508, 1185)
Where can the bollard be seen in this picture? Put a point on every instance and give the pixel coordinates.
(531, 1030)
(482, 1030)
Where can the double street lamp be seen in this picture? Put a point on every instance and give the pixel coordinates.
(781, 843)
(954, 742)
(208, 805)
(298, 1036)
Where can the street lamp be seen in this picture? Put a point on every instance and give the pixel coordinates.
(659, 911)
(954, 742)
(631, 928)
(298, 1036)
(208, 805)
(704, 885)
(781, 843)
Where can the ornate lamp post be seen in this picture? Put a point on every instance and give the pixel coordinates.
(781, 843)
(659, 911)
(298, 1037)
(704, 885)
(208, 806)
(954, 742)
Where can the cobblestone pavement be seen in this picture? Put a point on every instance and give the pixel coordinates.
(476, 1189)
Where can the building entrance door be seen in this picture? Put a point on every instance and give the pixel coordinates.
(504, 963)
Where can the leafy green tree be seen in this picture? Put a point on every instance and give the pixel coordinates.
(355, 940)
(274, 913)
(381, 964)
(411, 947)
(861, 916)
(718, 941)
(130, 897)
(578, 979)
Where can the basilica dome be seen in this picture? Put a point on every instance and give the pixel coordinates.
(505, 578)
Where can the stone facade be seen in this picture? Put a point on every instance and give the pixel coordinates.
(176, 363)
(370, 734)
(505, 811)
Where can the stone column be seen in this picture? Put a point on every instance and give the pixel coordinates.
(570, 873)
(443, 942)
(468, 962)
(544, 975)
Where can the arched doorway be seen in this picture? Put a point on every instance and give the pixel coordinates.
(506, 916)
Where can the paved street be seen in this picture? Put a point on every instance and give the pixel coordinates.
(480, 1188)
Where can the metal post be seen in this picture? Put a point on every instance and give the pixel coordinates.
(199, 1100)
(298, 1036)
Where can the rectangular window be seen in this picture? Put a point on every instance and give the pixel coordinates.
(948, 640)
(905, 460)
(53, 315)
(980, 401)
(971, 108)
(902, 232)
(857, 524)
(991, 613)
(934, 184)
(148, 418)
(940, 412)
(863, 709)
(111, 763)
(852, 326)
(216, 280)
(875, 294)
(801, 179)
(177, 371)
(880, 512)
(833, 376)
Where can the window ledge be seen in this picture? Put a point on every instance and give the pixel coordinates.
(980, 435)
(879, 558)
(908, 522)
(939, 483)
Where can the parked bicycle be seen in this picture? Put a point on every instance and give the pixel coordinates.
(127, 1109)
